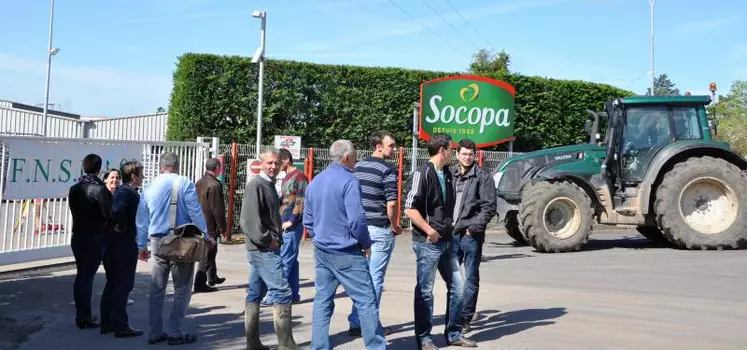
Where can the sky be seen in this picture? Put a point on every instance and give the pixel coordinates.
(117, 58)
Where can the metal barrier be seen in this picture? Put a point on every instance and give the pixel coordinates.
(36, 229)
(236, 170)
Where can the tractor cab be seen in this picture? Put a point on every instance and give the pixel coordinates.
(640, 128)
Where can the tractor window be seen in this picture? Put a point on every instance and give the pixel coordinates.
(646, 127)
(686, 124)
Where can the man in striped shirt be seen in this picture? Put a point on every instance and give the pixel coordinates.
(378, 180)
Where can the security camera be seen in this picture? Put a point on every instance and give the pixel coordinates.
(258, 55)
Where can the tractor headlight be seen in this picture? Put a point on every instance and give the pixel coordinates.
(497, 178)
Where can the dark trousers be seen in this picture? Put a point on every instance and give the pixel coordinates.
(469, 253)
(88, 251)
(208, 270)
(120, 262)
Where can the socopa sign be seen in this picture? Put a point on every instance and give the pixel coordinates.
(477, 108)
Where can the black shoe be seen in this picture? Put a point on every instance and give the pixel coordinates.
(106, 329)
(205, 289)
(464, 342)
(217, 281)
(162, 339)
(86, 323)
(185, 339)
(128, 333)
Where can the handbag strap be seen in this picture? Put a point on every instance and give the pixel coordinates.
(173, 204)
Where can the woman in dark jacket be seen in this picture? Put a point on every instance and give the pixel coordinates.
(112, 180)
(120, 260)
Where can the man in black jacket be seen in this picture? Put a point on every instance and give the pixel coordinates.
(90, 204)
(430, 206)
(475, 206)
(120, 257)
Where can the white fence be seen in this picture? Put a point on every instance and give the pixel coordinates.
(41, 229)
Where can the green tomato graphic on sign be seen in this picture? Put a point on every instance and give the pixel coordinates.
(476, 108)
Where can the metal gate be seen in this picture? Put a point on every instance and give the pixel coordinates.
(37, 229)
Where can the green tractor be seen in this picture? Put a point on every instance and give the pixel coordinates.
(656, 168)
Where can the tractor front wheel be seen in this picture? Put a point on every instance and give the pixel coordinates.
(702, 204)
(511, 224)
(556, 216)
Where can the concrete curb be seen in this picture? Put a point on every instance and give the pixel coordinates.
(36, 267)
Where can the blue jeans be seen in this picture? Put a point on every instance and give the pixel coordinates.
(289, 257)
(333, 269)
(266, 275)
(469, 253)
(382, 244)
(430, 257)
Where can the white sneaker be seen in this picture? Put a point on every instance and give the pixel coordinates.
(130, 301)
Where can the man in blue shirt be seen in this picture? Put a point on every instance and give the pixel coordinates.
(334, 217)
(154, 221)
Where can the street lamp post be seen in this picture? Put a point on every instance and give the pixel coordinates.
(653, 76)
(50, 52)
(259, 57)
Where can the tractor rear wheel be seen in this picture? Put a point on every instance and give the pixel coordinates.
(702, 204)
(511, 224)
(556, 216)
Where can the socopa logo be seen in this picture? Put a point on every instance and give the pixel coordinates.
(477, 108)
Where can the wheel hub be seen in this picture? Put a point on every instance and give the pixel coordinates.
(708, 205)
(702, 204)
(562, 217)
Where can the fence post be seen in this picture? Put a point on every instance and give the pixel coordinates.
(311, 163)
(400, 184)
(479, 158)
(309, 168)
(232, 188)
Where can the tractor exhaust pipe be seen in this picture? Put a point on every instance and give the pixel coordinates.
(594, 130)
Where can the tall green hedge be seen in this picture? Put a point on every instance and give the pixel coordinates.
(217, 96)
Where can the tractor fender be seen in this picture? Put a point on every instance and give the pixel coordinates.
(668, 157)
(578, 180)
(532, 175)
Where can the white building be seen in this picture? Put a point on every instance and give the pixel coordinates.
(25, 120)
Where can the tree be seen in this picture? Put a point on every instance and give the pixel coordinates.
(734, 104)
(663, 87)
(487, 62)
(731, 114)
(160, 110)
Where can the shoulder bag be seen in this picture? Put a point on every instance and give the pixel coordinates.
(184, 243)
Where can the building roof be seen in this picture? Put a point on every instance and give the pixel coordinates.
(25, 107)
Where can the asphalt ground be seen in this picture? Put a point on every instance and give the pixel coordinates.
(620, 292)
